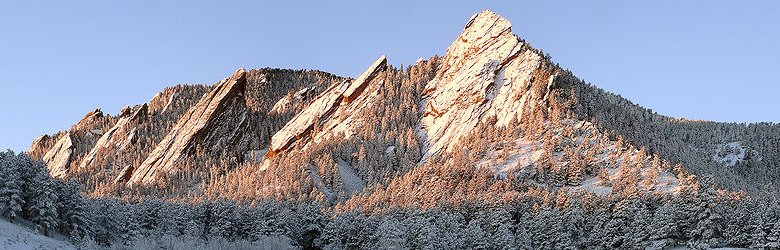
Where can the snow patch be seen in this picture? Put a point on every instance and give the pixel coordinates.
(352, 182)
(511, 156)
(729, 154)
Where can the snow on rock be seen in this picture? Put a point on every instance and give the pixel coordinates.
(360, 83)
(39, 144)
(338, 99)
(487, 71)
(196, 126)
(120, 135)
(59, 156)
(14, 236)
(303, 123)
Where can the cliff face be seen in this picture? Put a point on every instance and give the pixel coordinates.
(215, 109)
(336, 100)
(59, 156)
(487, 71)
(63, 150)
(116, 141)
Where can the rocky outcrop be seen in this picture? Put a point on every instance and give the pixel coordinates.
(197, 126)
(286, 103)
(40, 146)
(362, 81)
(487, 71)
(59, 156)
(124, 174)
(338, 96)
(89, 119)
(114, 141)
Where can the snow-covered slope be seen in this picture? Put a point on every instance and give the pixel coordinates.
(729, 154)
(14, 236)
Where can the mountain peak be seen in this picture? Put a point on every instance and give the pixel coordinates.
(487, 71)
(477, 21)
(482, 28)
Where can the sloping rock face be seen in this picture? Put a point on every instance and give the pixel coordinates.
(337, 98)
(221, 106)
(487, 71)
(59, 156)
(286, 103)
(41, 144)
(116, 140)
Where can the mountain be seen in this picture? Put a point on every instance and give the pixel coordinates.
(492, 124)
(488, 75)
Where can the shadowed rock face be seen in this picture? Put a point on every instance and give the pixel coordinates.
(198, 125)
(487, 71)
(338, 96)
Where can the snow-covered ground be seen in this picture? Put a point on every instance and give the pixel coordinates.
(731, 153)
(518, 157)
(511, 156)
(15, 236)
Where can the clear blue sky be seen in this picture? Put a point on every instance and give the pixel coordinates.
(59, 59)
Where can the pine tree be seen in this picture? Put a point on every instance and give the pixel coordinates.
(43, 207)
(476, 238)
(390, 234)
(504, 238)
(72, 210)
(10, 187)
(706, 227)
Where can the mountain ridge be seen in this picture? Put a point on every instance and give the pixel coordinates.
(488, 74)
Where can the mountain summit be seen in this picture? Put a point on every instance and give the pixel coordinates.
(487, 71)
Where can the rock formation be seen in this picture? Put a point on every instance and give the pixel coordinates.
(487, 71)
(118, 137)
(286, 103)
(326, 104)
(195, 126)
(89, 119)
(58, 157)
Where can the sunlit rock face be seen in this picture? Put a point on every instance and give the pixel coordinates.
(487, 71)
(203, 124)
(58, 157)
(335, 104)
